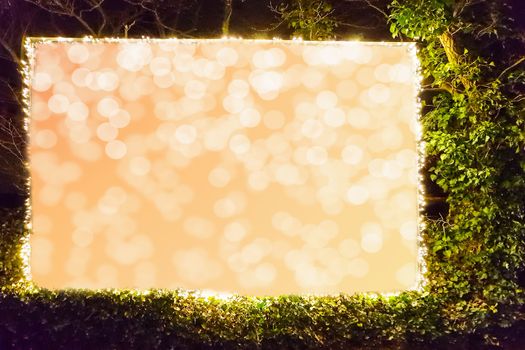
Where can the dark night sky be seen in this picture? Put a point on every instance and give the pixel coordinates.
(518, 7)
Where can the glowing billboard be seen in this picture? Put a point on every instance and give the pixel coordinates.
(247, 166)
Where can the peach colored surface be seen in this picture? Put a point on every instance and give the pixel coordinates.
(251, 167)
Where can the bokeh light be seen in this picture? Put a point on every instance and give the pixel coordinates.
(256, 167)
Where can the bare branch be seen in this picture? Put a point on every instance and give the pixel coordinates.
(515, 64)
(63, 8)
(371, 5)
(10, 130)
(228, 9)
(460, 6)
(127, 28)
(97, 5)
(10, 50)
(343, 24)
(158, 13)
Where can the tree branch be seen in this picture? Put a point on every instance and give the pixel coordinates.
(63, 8)
(510, 67)
(10, 51)
(227, 17)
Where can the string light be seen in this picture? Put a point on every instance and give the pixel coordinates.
(27, 69)
(421, 154)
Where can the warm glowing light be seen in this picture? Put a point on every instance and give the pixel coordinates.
(251, 166)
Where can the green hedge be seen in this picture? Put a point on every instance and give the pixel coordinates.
(475, 142)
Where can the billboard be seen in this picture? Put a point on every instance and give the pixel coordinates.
(258, 167)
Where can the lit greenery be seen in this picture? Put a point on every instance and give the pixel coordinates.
(474, 132)
(309, 19)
